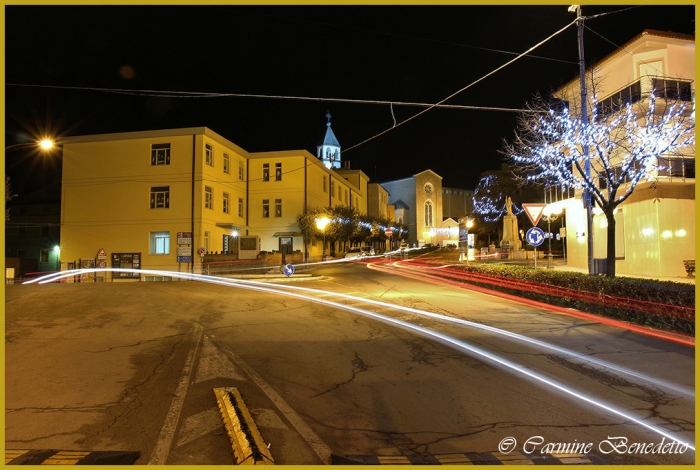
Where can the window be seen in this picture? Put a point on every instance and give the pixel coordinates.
(209, 197)
(266, 208)
(325, 188)
(241, 171)
(278, 172)
(209, 154)
(332, 188)
(44, 256)
(160, 197)
(278, 207)
(227, 164)
(346, 196)
(266, 172)
(428, 214)
(207, 235)
(240, 207)
(160, 154)
(160, 243)
(227, 204)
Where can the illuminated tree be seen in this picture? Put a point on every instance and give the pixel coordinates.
(626, 141)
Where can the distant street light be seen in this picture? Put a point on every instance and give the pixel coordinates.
(322, 223)
(57, 249)
(550, 215)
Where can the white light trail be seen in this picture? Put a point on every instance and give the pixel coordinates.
(264, 287)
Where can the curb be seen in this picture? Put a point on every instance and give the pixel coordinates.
(248, 445)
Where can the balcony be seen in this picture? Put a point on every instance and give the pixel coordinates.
(670, 89)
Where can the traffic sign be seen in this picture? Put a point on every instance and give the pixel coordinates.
(201, 251)
(388, 232)
(535, 236)
(288, 269)
(534, 211)
(184, 259)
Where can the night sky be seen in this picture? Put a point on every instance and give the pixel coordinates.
(56, 56)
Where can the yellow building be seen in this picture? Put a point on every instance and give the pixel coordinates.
(154, 199)
(655, 226)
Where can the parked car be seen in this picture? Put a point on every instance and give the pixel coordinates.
(354, 253)
(367, 250)
(359, 252)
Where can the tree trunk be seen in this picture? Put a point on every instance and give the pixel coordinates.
(610, 269)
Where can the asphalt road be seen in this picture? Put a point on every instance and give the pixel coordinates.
(132, 366)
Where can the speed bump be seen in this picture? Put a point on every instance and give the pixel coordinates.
(68, 457)
(248, 445)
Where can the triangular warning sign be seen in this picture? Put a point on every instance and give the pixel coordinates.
(534, 211)
(101, 254)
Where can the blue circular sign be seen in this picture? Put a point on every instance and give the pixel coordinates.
(288, 269)
(535, 236)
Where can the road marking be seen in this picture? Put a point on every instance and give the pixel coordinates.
(211, 365)
(165, 440)
(322, 450)
(196, 426)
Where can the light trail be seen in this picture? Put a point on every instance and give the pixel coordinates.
(264, 287)
(508, 334)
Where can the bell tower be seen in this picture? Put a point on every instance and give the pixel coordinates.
(329, 150)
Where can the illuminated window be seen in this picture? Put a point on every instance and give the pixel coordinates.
(278, 207)
(160, 243)
(209, 154)
(208, 197)
(227, 164)
(160, 154)
(160, 197)
(44, 256)
(266, 208)
(227, 204)
(266, 172)
(428, 214)
(278, 172)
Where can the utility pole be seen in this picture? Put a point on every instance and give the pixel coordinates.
(587, 200)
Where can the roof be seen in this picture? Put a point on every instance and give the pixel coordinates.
(329, 138)
(646, 32)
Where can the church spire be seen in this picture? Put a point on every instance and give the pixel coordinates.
(329, 150)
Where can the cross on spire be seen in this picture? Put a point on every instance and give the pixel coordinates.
(328, 116)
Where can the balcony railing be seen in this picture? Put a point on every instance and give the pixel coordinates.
(672, 89)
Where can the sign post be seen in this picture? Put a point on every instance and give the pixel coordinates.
(535, 237)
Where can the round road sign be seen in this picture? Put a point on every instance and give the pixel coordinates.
(535, 236)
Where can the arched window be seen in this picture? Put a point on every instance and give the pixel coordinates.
(428, 213)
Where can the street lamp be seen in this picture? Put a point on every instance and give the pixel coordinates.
(322, 223)
(57, 249)
(549, 215)
(44, 144)
(469, 223)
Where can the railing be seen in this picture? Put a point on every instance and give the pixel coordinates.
(672, 89)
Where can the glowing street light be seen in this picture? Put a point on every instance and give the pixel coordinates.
(322, 223)
(550, 214)
(57, 249)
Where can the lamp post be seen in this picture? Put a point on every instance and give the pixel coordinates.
(57, 249)
(322, 223)
(549, 215)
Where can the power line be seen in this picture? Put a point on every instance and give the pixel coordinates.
(439, 103)
(197, 94)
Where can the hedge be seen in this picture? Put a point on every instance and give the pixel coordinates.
(664, 305)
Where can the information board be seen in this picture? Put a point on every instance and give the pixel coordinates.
(126, 261)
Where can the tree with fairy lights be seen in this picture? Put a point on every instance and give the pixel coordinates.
(625, 141)
(489, 200)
